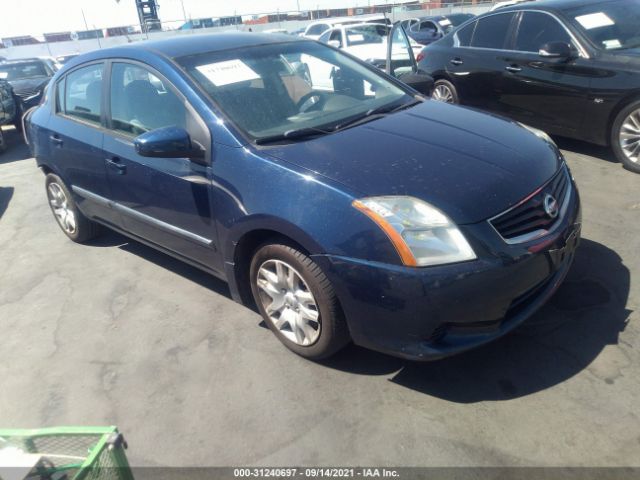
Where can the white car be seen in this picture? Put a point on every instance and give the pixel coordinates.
(315, 29)
(366, 41)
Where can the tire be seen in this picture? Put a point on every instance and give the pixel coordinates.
(622, 132)
(293, 323)
(69, 218)
(3, 144)
(445, 91)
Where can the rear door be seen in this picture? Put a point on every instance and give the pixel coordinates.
(75, 135)
(550, 94)
(476, 60)
(162, 200)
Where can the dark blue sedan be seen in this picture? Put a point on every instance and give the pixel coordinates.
(350, 210)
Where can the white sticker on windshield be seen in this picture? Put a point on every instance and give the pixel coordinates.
(595, 20)
(609, 44)
(356, 37)
(445, 23)
(4, 75)
(228, 72)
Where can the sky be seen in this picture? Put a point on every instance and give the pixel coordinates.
(34, 17)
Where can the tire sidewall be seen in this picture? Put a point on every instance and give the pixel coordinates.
(615, 135)
(282, 252)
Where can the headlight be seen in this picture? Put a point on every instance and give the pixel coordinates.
(538, 133)
(421, 233)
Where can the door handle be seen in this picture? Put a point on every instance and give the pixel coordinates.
(56, 140)
(513, 69)
(114, 163)
(456, 61)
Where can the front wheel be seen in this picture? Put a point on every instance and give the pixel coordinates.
(625, 137)
(297, 301)
(445, 91)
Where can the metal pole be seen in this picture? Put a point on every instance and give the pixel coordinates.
(97, 36)
(184, 12)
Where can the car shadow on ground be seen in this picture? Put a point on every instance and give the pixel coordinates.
(586, 314)
(586, 149)
(6, 193)
(16, 148)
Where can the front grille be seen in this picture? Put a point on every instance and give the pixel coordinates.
(528, 219)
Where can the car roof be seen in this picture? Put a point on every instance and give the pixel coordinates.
(181, 46)
(549, 5)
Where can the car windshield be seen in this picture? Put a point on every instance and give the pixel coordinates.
(275, 89)
(366, 34)
(611, 25)
(19, 71)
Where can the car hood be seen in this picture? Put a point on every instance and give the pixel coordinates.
(469, 164)
(29, 84)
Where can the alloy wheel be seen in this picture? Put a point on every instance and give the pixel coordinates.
(629, 136)
(289, 303)
(61, 209)
(442, 93)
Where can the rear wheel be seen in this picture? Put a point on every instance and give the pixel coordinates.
(625, 137)
(70, 219)
(297, 301)
(444, 91)
(3, 145)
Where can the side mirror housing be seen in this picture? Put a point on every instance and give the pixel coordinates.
(556, 50)
(167, 142)
(421, 82)
(334, 43)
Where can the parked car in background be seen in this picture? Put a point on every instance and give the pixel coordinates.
(388, 48)
(29, 78)
(426, 30)
(315, 29)
(62, 59)
(569, 67)
(9, 109)
(406, 225)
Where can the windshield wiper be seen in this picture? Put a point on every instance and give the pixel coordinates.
(292, 135)
(375, 113)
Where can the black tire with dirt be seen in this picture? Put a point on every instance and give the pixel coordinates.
(83, 228)
(334, 334)
(3, 145)
(615, 137)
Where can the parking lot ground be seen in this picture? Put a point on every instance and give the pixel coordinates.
(116, 333)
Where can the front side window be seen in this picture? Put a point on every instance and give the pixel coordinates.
(268, 90)
(491, 32)
(83, 93)
(537, 29)
(611, 25)
(140, 101)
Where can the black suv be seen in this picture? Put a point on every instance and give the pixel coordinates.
(569, 67)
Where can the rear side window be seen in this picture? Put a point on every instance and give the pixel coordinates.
(464, 35)
(83, 93)
(536, 29)
(317, 29)
(492, 31)
(140, 101)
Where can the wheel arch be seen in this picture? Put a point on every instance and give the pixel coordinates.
(628, 99)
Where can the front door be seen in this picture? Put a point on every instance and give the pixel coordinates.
(551, 94)
(162, 200)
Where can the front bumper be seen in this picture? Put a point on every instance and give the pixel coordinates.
(434, 312)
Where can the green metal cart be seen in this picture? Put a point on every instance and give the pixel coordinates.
(67, 453)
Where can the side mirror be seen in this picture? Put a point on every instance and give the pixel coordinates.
(167, 142)
(334, 43)
(556, 50)
(421, 82)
